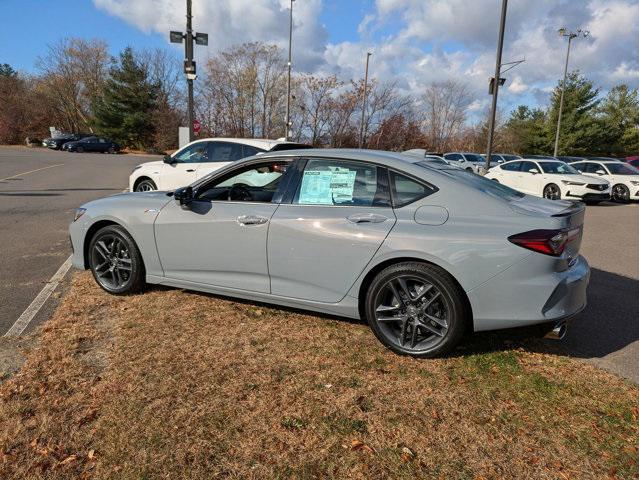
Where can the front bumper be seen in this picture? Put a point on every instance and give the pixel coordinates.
(530, 292)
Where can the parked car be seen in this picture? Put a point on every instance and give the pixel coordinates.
(497, 158)
(550, 179)
(92, 144)
(634, 161)
(198, 159)
(624, 178)
(421, 251)
(541, 157)
(570, 159)
(428, 157)
(473, 162)
(605, 159)
(56, 143)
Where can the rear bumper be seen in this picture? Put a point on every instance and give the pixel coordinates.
(530, 292)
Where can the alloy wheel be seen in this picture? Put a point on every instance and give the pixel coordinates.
(620, 193)
(552, 192)
(144, 186)
(111, 261)
(412, 313)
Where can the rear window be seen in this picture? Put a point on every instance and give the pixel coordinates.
(487, 186)
(289, 146)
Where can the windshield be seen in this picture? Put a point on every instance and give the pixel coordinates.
(507, 157)
(480, 183)
(621, 169)
(474, 157)
(559, 168)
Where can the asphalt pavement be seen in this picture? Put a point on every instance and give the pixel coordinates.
(39, 191)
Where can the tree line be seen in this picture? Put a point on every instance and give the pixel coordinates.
(138, 100)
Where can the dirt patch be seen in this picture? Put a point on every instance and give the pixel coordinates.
(13, 354)
(171, 384)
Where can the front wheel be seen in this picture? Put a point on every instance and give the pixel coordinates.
(552, 192)
(620, 193)
(146, 185)
(115, 261)
(416, 309)
(79, 149)
(111, 149)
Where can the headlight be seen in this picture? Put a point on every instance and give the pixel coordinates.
(78, 213)
(570, 182)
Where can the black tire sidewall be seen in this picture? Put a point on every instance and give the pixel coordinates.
(626, 193)
(136, 279)
(458, 318)
(151, 182)
(552, 185)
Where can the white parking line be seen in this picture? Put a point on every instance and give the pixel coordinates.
(30, 171)
(23, 321)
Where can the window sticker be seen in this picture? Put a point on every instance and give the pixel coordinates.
(327, 187)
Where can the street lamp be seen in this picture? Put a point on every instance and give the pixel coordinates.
(361, 127)
(288, 86)
(563, 32)
(189, 63)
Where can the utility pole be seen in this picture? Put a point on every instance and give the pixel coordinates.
(189, 63)
(288, 86)
(495, 83)
(361, 127)
(564, 33)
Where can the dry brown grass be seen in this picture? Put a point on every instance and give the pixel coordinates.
(171, 384)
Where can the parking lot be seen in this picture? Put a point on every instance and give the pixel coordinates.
(41, 188)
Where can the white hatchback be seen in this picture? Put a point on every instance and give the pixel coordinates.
(198, 159)
(623, 177)
(550, 179)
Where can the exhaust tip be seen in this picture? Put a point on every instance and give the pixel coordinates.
(558, 332)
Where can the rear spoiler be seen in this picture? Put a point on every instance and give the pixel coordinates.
(575, 207)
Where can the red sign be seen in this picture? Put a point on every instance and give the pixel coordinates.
(197, 126)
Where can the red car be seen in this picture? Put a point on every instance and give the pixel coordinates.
(634, 161)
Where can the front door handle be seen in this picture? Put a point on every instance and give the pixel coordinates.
(366, 218)
(191, 170)
(251, 220)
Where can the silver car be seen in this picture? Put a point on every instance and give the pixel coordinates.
(422, 252)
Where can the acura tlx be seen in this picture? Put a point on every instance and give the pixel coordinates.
(424, 252)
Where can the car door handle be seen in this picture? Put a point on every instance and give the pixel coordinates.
(190, 170)
(251, 220)
(366, 218)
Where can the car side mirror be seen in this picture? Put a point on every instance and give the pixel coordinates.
(600, 172)
(168, 159)
(183, 195)
(534, 171)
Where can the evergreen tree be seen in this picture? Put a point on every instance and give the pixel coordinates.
(7, 71)
(124, 113)
(527, 129)
(581, 133)
(619, 119)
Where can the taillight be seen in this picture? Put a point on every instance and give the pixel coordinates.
(548, 242)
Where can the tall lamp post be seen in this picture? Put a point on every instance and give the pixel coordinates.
(496, 81)
(189, 63)
(361, 127)
(565, 33)
(288, 85)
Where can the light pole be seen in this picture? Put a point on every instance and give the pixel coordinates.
(288, 86)
(496, 81)
(565, 33)
(189, 63)
(361, 127)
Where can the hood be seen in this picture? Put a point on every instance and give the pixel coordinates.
(588, 179)
(154, 164)
(136, 200)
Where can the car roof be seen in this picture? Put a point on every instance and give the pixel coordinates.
(263, 143)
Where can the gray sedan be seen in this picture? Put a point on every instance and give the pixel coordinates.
(422, 252)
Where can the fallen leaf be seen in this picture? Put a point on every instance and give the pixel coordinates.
(68, 460)
(359, 445)
(407, 454)
(91, 454)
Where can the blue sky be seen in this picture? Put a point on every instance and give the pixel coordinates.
(415, 42)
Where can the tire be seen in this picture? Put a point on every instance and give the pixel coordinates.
(495, 180)
(620, 193)
(436, 305)
(111, 150)
(468, 169)
(146, 185)
(79, 149)
(115, 261)
(552, 192)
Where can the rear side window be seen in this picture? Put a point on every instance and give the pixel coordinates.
(406, 190)
(249, 151)
(225, 152)
(344, 183)
(453, 156)
(528, 166)
(511, 166)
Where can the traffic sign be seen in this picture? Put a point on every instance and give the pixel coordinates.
(197, 126)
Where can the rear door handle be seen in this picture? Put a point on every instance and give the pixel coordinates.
(191, 170)
(251, 220)
(366, 218)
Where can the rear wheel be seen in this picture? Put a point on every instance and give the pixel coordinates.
(416, 309)
(146, 185)
(552, 192)
(111, 149)
(79, 149)
(115, 261)
(620, 193)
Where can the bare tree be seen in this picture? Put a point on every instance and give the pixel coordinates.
(318, 95)
(446, 104)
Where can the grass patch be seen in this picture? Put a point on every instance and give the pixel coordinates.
(169, 384)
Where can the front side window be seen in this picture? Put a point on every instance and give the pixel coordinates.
(580, 167)
(559, 168)
(225, 152)
(621, 169)
(453, 156)
(196, 153)
(526, 167)
(343, 183)
(251, 183)
(406, 190)
(593, 167)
